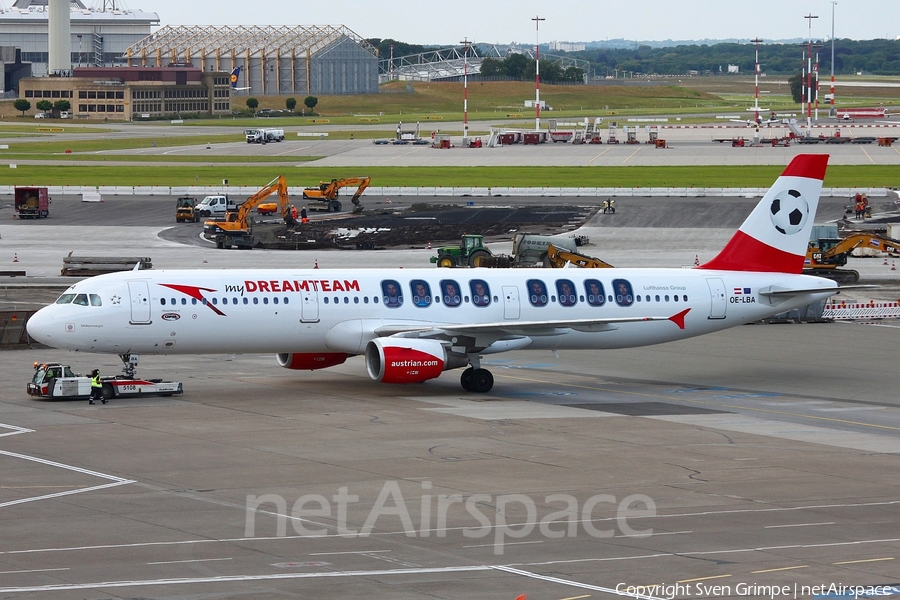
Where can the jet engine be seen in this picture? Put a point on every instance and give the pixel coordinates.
(408, 360)
(310, 361)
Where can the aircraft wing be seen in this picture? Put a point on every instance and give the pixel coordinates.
(482, 335)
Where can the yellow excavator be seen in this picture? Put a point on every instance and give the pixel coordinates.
(559, 257)
(235, 229)
(825, 255)
(327, 193)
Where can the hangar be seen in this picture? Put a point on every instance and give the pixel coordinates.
(274, 60)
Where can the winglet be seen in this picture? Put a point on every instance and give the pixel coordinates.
(679, 318)
(774, 237)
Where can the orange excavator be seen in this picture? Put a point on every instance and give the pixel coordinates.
(825, 255)
(236, 228)
(327, 193)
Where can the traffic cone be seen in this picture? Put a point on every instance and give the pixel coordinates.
(15, 257)
(696, 260)
(885, 260)
(317, 264)
(893, 265)
(429, 245)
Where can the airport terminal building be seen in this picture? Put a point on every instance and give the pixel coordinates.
(125, 94)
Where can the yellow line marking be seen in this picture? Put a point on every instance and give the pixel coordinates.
(702, 578)
(576, 597)
(869, 156)
(599, 155)
(781, 569)
(630, 156)
(704, 403)
(853, 562)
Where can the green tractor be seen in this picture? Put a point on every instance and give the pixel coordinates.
(470, 253)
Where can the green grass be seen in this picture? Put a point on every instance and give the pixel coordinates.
(676, 176)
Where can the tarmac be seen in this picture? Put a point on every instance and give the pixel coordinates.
(752, 463)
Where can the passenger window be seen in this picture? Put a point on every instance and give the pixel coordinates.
(595, 294)
(393, 297)
(537, 292)
(481, 293)
(96, 301)
(421, 292)
(566, 292)
(450, 292)
(624, 292)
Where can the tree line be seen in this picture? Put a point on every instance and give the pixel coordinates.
(875, 57)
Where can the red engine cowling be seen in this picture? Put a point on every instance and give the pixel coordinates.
(310, 361)
(402, 360)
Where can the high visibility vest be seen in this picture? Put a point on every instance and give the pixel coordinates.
(95, 382)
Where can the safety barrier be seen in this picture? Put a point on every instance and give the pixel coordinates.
(847, 311)
(197, 190)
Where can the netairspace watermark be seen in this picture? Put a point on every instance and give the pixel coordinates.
(490, 515)
(822, 591)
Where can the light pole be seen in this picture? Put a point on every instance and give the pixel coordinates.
(809, 18)
(465, 43)
(756, 91)
(537, 73)
(831, 110)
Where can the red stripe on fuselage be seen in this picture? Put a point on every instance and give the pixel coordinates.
(744, 253)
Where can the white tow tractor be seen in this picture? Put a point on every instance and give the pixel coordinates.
(56, 380)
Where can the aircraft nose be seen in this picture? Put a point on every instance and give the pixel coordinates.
(40, 327)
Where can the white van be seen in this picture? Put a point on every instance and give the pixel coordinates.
(214, 206)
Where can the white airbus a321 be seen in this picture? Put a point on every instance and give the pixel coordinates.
(413, 324)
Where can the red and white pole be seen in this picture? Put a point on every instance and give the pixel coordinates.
(537, 74)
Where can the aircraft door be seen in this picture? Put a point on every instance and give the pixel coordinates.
(139, 292)
(510, 302)
(309, 305)
(718, 298)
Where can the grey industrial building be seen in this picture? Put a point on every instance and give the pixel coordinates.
(273, 60)
(99, 35)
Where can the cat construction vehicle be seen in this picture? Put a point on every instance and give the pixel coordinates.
(828, 253)
(186, 210)
(559, 258)
(235, 230)
(326, 194)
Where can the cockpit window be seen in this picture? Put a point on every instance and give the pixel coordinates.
(95, 300)
(65, 299)
(81, 300)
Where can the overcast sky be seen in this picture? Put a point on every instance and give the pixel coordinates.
(503, 21)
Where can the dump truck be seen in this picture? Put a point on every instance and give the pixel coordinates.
(326, 193)
(58, 380)
(186, 210)
(32, 202)
(235, 229)
(529, 249)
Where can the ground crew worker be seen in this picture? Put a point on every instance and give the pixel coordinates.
(303, 217)
(293, 212)
(96, 388)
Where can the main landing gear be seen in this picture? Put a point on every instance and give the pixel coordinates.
(475, 379)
